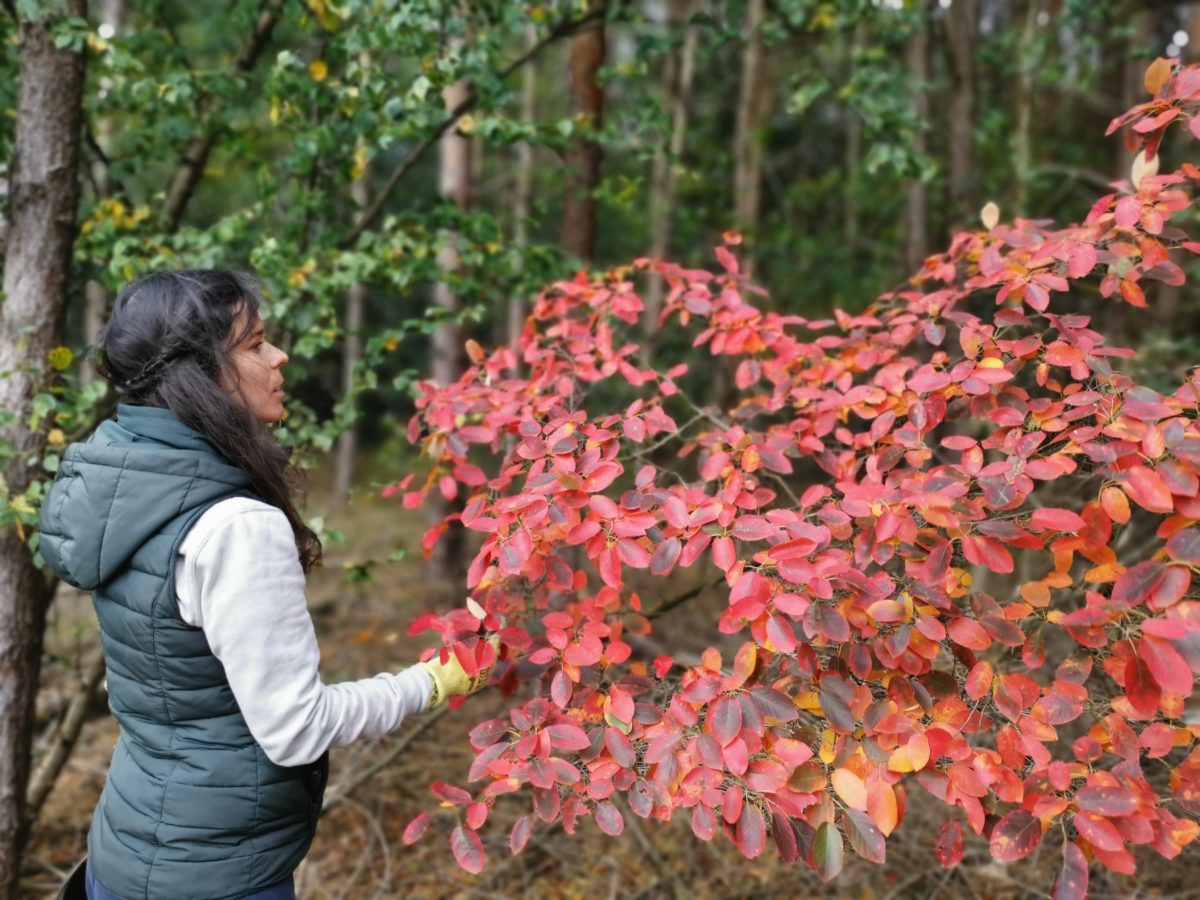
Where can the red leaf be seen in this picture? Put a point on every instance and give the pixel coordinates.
(1148, 490)
(1169, 669)
(1015, 836)
(451, 794)
(566, 736)
(666, 554)
(1071, 883)
(704, 823)
(724, 721)
(561, 689)
(609, 818)
(1056, 520)
(416, 828)
(751, 833)
(1107, 801)
(477, 814)
(1141, 687)
(1184, 546)
(865, 839)
(620, 748)
(467, 849)
(1098, 831)
(519, 836)
(982, 551)
(723, 554)
(949, 845)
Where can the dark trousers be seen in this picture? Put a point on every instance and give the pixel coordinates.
(285, 890)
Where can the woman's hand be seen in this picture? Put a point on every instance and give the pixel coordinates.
(450, 679)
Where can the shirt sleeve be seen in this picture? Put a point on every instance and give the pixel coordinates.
(238, 577)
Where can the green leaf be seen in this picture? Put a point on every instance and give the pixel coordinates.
(827, 851)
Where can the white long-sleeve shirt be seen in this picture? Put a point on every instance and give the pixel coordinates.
(238, 577)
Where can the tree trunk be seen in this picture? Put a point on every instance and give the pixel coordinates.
(962, 20)
(356, 300)
(44, 194)
(523, 191)
(753, 107)
(96, 296)
(454, 184)
(854, 147)
(916, 58)
(677, 78)
(578, 235)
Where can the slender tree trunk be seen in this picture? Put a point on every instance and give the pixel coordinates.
(916, 57)
(454, 184)
(96, 295)
(352, 325)
(677, 78)
(523, 192)
(578, 235)
(854, 148)
(963, 23)
(1023, 114)
(43, 194)
(753, 106)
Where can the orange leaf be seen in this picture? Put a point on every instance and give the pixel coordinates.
(851, 788)
(1157, 74)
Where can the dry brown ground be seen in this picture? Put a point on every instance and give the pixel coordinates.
(358, 852)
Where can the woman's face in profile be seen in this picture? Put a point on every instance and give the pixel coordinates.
(257, 363)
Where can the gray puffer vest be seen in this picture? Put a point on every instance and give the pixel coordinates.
(192, 808)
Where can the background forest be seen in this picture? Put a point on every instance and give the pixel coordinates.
(405, 175)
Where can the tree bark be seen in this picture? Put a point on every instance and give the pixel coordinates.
(44, 195)
(454, 184)
(523, 189)
(352, 345)
(962, 20)
(854, 146)
(96, 296)
(582, 159)
(677, 77)
(916, 57)
(753, 107)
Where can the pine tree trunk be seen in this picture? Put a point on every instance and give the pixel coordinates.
(578, 235)
(677, 77)
(523, 189)
(753, 99)
(44, 194)
(96, 295)
(352, 325)
(916, 57)
(1023, 114)
(963, 23)
(454, 184)
(854, 148)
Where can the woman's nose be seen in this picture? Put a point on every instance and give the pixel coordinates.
(281, 357)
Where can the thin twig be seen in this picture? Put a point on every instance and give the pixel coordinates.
(679, 599)
(341, 792)
(43, 780)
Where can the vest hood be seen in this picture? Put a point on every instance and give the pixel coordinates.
(137, 472)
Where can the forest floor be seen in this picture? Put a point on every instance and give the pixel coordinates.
(358, 852)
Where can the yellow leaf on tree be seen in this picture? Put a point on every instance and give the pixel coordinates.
(318, 70)
(55, 437)
(828, 742)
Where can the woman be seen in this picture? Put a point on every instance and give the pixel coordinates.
(177, 515)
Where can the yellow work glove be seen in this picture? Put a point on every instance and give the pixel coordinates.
(450, 679)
